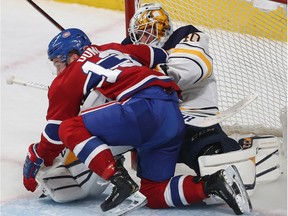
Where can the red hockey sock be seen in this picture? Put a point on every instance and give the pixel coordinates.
(193, 192)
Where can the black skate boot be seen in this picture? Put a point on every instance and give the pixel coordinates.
(227, 184)
(120, 159)
(123, 187)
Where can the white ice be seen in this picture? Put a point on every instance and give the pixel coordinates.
(25, 34)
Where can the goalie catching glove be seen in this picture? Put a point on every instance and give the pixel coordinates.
(31, 167)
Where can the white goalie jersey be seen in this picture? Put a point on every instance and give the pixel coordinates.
(191, 67)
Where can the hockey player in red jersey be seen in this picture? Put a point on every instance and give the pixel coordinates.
(141, 97)
(143, 113)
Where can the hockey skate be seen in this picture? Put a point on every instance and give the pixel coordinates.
(123, 188)
(228, 185)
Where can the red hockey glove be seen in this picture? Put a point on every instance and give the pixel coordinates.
(31, 166)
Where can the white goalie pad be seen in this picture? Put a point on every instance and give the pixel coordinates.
(244, 160)
(268, 159)
(69, 179)
(64, 184)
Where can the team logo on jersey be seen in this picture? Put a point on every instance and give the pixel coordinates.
(66, 34)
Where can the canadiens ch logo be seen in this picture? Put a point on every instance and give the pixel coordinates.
(66, 34)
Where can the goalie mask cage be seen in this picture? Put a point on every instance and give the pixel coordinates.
(248, 44)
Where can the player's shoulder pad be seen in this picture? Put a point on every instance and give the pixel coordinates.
(195, 40)
(196, 37)
(178, 35)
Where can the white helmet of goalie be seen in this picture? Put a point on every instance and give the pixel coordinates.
(150, 25)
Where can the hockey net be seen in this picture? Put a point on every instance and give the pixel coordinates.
(248, 44)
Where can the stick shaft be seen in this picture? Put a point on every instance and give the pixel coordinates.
(46, 15)
(29, 84)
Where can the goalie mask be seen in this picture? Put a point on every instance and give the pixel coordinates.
(150, 25)
(65, 42)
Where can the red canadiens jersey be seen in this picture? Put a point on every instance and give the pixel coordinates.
(117, 71)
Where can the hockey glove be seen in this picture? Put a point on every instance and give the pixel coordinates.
(31, 166)
(162, 68)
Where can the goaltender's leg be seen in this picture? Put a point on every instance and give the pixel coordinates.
(204, 141)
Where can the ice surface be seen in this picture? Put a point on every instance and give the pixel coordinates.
(25, 35)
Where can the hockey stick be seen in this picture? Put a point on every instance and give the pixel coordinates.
(12, 80)
(198, 119)
(191, 117)
(46, 15)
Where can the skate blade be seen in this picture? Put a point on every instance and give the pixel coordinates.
(132, 203)
(242, 198)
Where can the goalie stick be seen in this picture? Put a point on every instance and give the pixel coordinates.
(197, 118)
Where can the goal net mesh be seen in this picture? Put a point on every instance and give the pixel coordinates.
(248, 44)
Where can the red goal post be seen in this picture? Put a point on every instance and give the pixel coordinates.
(280, 1)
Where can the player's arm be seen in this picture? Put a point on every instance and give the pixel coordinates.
(190, 60)
(147, 55)
(50, 145)
(40, 154)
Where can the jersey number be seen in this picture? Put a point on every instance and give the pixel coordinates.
(193, 37)
(107, 66)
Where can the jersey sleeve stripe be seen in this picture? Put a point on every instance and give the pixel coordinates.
(205, 60)
(140, 85)
(51, 132)
(158, 56)
(196, 62)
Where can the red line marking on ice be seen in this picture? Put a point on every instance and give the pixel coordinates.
(16, 196)
(9, 160)
(22, 61)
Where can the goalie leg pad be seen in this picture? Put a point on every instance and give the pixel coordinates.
(69, 179)
(89, 181)
(268, 157)
(197, 141)
(69, 183)
(59, 184)
(244, 160)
